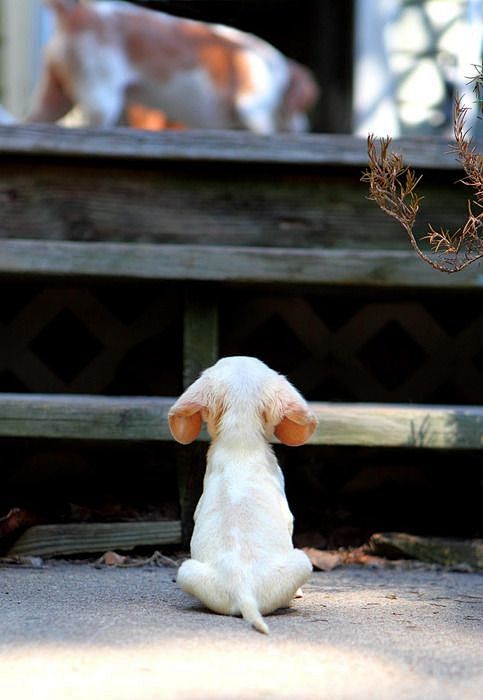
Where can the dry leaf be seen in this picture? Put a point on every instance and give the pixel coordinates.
(16, 519)
(323, 560)
(112, 559)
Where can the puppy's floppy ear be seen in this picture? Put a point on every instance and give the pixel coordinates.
(185, 417)
(296, 427)
(185, 422)
(295, 422)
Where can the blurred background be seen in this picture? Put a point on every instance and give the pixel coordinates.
(385, 66)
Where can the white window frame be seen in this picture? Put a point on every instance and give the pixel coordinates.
(25, 27)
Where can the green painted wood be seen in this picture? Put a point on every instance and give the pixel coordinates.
(369, 425)
(200, 350)
(76, 538)
(226, 264)
(200, 327)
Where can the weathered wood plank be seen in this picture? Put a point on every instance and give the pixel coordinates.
(84, 417)
(434, 550)
(226, 264)
(76, 538)
(217, 203)
(369, 425)
(390, 425)
(207, 145)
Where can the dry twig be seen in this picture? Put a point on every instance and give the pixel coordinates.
(392, 186)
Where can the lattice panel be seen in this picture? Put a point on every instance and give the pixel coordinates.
(105, 340)
(354, 348)
(342, 347)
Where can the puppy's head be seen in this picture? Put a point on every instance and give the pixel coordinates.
(242, 394)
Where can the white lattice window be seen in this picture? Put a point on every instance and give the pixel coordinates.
(411, 58)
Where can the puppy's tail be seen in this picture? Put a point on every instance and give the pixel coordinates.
(251, 613)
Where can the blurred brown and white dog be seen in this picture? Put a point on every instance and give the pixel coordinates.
(243, 560)
(107, 55)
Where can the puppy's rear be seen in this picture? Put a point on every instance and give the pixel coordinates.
(243, 560)
(202, 581)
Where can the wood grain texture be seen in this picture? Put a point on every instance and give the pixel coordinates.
(84, 417)
(211, 145)
(369, 425)
(226, 264)
(239, 192)
(434, 550)
(389, 425)
(75, 538)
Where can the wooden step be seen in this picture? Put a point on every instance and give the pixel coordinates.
(75, 538)
(211, 145)
(82, 417)
(395, 425)
(140, 419)
(229, 264)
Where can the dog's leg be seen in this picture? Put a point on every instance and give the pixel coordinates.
(282, 584)
(301, 571)
(199, 580)
(101, 105)
(296, 123)
(50, 102)
(256, 117)
(101, 80)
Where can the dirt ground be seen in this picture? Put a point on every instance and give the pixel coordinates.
(72, 631)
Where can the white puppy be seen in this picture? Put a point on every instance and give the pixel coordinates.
(243, 560)
(107, 56)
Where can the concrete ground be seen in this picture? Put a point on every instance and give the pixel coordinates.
(71, 631)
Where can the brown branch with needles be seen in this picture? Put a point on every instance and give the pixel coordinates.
(392, 185)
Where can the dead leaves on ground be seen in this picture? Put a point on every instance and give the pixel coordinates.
(400, 550)
(125, 561)
(326, 560)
